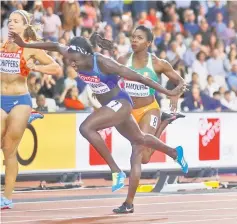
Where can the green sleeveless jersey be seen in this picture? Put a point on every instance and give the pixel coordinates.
(136, 89)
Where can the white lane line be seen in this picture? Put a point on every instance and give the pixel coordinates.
(119, 198)
(199, 220)
(111, 216)
(149, 214)
(112, 206)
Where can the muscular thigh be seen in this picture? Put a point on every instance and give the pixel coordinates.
(3, 123)
(133, 131)
(17, 122)
(130, 129)
(108, 116)
(150, 122)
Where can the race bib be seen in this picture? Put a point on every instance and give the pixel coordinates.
(114, 105)
(10, 63)
(136, 89)
(154, 121)
(95, 84)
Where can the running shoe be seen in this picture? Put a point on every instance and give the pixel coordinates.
(6, 203)
(125, 208)
(35, 115)
(171, 117)
(118, 180)
(180, 159)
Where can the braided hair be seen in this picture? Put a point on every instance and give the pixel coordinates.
(85, 46)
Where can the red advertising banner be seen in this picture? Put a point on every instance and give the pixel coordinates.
(95, 158)
(209, 139)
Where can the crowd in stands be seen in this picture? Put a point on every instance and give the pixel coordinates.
(198, 38)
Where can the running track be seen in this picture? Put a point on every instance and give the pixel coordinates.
(94, 206)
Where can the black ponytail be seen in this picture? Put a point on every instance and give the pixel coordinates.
(103, 43)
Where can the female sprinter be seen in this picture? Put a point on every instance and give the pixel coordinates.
(102, 74)
(146, 109)
(16, 105)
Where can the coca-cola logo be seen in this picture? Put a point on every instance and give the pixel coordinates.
(208, 130)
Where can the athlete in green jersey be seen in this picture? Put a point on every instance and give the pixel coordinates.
(146, 109)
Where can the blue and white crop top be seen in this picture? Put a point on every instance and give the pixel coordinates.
(99, 82)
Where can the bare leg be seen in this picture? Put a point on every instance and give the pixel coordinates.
(141, 154)
(103, 118)
(16, 125)
(139, 140)
(135, 173)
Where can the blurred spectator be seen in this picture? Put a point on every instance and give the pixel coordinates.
(174, 26)
(190, 25)
(127, 23)
(70, 80)
(115, 24)
(217, 95)
(181, 48)
(181, 6)
(47, 4)
(164, 46)
(123, 44)
(201, 14)
(195, 80)
(158, 31)
(232, 78)
(222, 90)
(143, 20)
(38, 11)
(230, 34)
(220, 26)
(221, 49)
(232, 9)
(52, 25)
(47, 86)
(169, 12)
(200, 67)
(217, 67)
(217, 8)
(152, 16)
(232, 56)
(70, 99)
(41, 103)
(108, 33)
(212, 42)
(199, 101)
(110, 7)
(211, 86)
(205, 32)
(70, 15)
(88, 13)
(34, 84)
(172, 54)
(190, 54)
(229, 102)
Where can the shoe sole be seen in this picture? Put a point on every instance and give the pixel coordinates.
(123, 212)
(118, 188)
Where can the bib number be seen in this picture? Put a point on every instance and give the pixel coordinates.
(154, 121)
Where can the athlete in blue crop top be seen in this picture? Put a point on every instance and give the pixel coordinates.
(103, 74)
